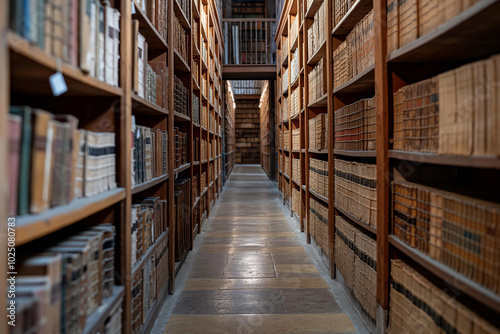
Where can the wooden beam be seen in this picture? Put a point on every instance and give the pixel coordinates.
(249, 72)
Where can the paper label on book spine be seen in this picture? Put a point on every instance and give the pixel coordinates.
(58, 84)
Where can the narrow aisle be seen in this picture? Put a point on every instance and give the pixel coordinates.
(251, 274)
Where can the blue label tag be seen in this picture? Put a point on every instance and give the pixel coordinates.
(58, 84)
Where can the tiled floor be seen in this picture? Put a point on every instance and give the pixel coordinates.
(251, 274)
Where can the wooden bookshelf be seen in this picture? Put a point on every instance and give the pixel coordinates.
(445, 48)
(26, 70)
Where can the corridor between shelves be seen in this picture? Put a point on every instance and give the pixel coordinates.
(250, 273)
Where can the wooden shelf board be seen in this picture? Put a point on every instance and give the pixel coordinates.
(195, 10)
(363, 82)
(179, 13)
(295, 43)
(196, 50)
(182, 168)
(148, 184)
(355, 220)
(459, 281)
(321, 102)
(363, 154)
(295, 84)
(204, 192)
(448, 160)
(31, 67)
(474, 26)
(296, 183)
(318, 54)
(196, 163)
(139, 264)
(96, 320)
(304, 187)
(196, 201)
(211, 184)
(318, 196)
(180, 64)
(204, 162)
(296, 151)
(325, 151)
(196, 86)
(178, 117)
(144, 107)
(286, 175)
(303, 150)
(31, 227)
(313, 8)
(286, 150)
(154, 39)
(352, 17)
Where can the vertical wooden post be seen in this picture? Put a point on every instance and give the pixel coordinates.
(382, 137)
(331, 129)
(171, 151)
(4, 111)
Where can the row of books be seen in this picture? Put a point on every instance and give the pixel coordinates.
(318, 132)
(356, 189)
(286, 140)
(204, 118)
(419, 305)
(51, 162)
(185, 6)
(317, 79)
(196, 109)
(355, 126)
(318, 220)
(284, 81)
(295, 67)
(285, 109)
(157, 13)
(58, 289)
(181, 39)
(286, 165)
(295, 103)
(181, 97)
(296, 139)
(454, 229)
(183, 209)
(316, 34)
(296, 202)
(181, 148)
(148, 282)
(318, 176)
(453, 113)
(203, 181)
(284, 50)
(150, 154)
(340, 9)
(149, 221)
(356, 260)
(411, 19)
(357, 52)
(296, 170)
(83, 33)
(294, 30)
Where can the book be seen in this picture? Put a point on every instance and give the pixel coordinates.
(355, 126)
(15, 136)
(392, 25)
(100, 43)
(41, 160)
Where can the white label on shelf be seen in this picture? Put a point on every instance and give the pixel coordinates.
(58, 84)
(132, 10)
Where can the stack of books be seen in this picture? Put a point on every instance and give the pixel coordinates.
(203, 181)
(157, 13)
(181, 97)
(46, 302)
(318, 176)
(356, 189)
(296, 139)
(340, 9)
(457, 230)
(409, 20)
(454, 113)
(294, 103)
(287, 166)
(150, 154)
(317, 81)
(357, 52)
(296, 170)
(318, 132)
(181, 39)
(51, 162)
(183, 209)
(318, 217)
(419, 304)
(316, 35)
(149, 221)
(294, 65)
(355, 126)
(356, 260)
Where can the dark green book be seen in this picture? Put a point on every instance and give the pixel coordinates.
(25, 159)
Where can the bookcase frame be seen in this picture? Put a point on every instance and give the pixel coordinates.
(14, 48)
(390, 72)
